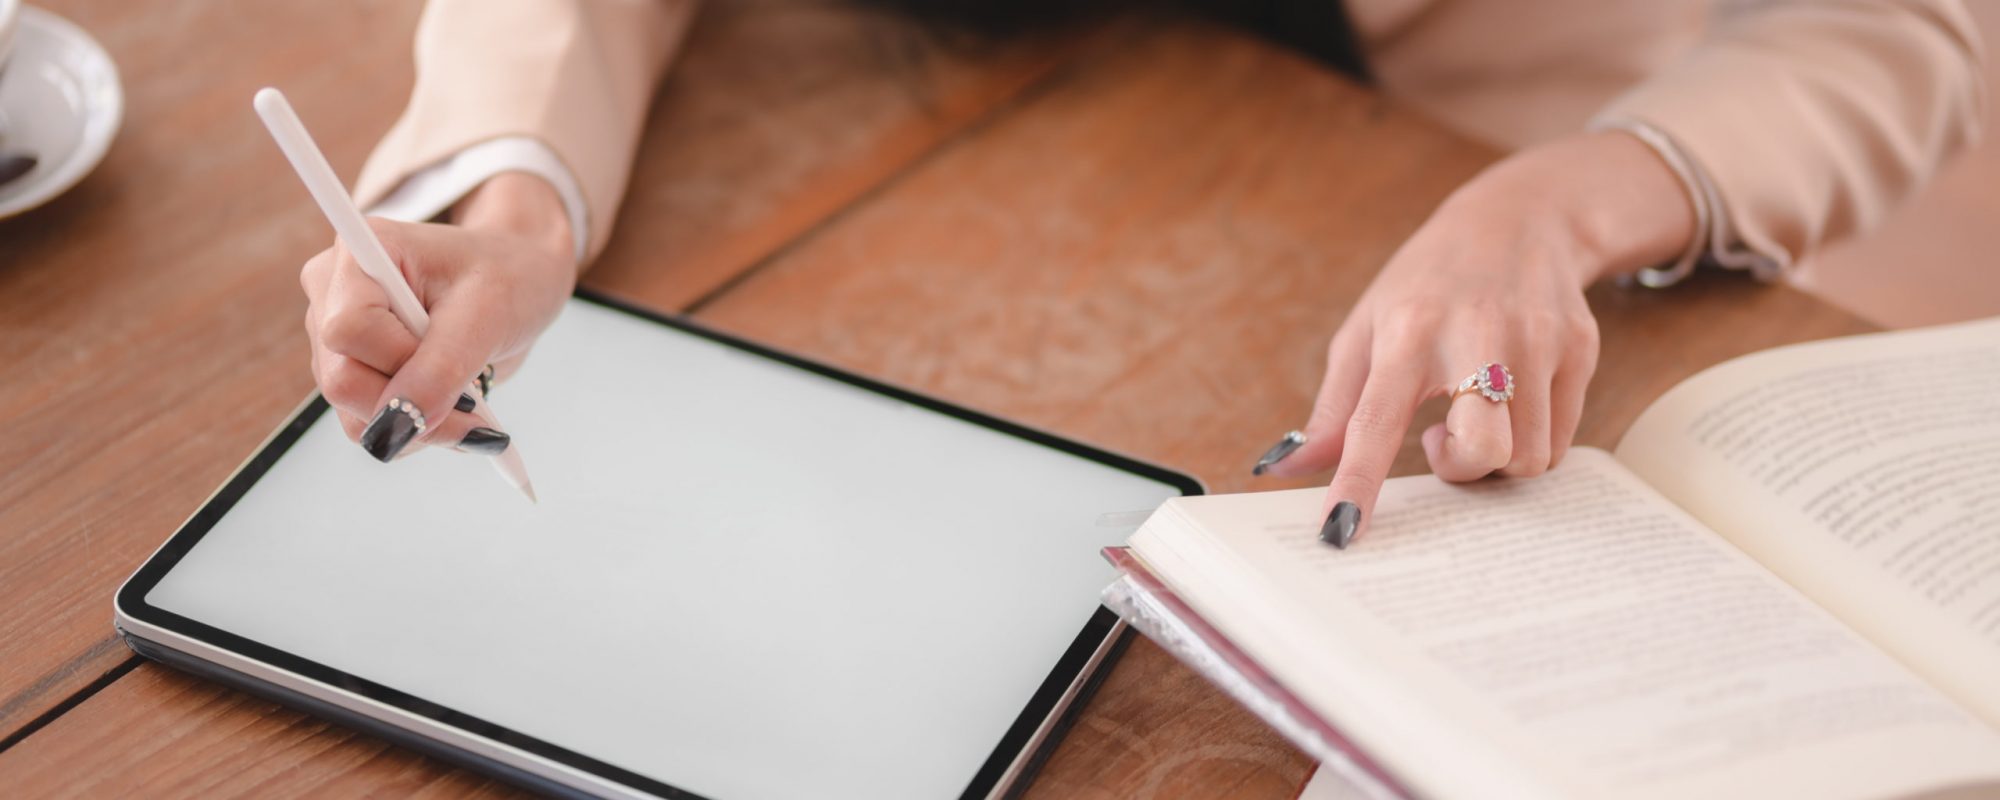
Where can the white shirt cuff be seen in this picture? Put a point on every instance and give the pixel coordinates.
(430, 191)
(1715, 239)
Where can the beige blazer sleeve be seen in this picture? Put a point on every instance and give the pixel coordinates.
(1814, 117)
(577, 75)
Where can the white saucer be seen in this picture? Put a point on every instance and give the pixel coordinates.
(59, 101)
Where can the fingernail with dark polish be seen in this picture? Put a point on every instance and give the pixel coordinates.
(485, 441)
(392, 429)
(465, 403)
(1340, 525)
(1285, 447)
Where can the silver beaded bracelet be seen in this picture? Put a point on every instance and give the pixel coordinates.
(1697, 192)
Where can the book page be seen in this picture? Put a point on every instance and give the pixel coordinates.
(1866, 472)
(1574, 635)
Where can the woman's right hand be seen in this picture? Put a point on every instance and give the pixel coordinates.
(491, 282)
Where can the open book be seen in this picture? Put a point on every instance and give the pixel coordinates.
(1785, 583)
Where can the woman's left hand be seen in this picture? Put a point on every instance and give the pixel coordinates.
(1495, 275)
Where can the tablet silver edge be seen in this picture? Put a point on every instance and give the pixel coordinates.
(390, 715)
(520, 759)
(528, 762)
(1056, 714)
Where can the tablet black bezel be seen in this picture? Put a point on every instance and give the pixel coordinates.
(131, 597)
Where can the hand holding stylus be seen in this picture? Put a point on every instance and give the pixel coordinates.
(404, 317)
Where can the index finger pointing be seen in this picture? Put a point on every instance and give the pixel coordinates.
(1374, 435)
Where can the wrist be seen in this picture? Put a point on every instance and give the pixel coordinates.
(1613, 205)
(523, 206)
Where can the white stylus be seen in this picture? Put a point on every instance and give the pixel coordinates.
(353, 230)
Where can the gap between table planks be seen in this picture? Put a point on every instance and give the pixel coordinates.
(1201, 212)
(1198, 213)
(149, 345)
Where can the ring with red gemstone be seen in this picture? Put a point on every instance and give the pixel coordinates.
(1491, 381)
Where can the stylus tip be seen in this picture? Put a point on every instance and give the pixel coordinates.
(520, 481)
(508, 462)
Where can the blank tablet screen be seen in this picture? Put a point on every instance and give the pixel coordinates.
(743, 579)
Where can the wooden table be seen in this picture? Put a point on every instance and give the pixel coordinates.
(1140, 235)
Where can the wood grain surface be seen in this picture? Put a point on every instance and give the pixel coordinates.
(149, 318)
(779, 114)
(1203, 210)
(1142, 239)
(160, 733)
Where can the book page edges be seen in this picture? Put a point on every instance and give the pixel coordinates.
(1358, 682)
(1411, 743)
(1152, 608)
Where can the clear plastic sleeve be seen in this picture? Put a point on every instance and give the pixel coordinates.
(1153, 610)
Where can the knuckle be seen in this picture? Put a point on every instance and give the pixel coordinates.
(1528, 462)
(312, 274)
(347, 385)
(1588, 348)
(1581, 331)
(1542, 323)
(1583, 360)
(1325, 411)
(1408, 321)
(348, 330)
(1483, 450)
(1580, 325)
(1373, 422)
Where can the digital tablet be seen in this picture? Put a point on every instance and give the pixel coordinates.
(748, 576)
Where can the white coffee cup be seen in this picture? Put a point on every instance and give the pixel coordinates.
(10, 21)
(10, 18)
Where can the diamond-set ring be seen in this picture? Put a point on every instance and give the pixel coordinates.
(1491, 381)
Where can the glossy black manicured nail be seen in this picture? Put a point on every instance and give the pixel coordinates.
(1340, 524)
(485, 441)
(392, 429)
(14, 165)
(465, 403)
(1285, 447)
